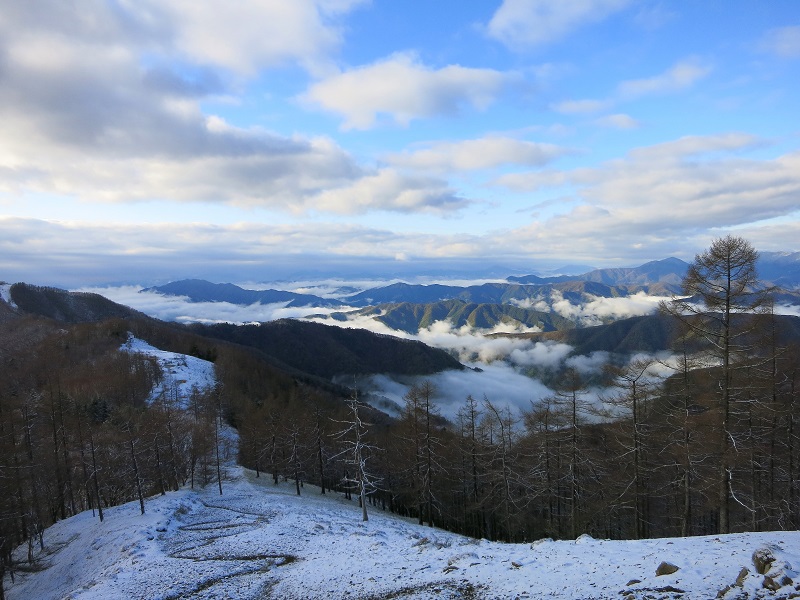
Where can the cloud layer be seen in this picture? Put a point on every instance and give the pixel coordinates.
(403, 89)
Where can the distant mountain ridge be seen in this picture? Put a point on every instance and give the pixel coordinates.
(669, 271)
(501, 293)
(780, 269)
(199, 290)
(69, 307)
(411, 318)
(649, 333)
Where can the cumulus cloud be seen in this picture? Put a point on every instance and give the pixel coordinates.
(390, 189)
(678, 77)
(483, 153)
(244, 36)
(783, 41)
(665, 197)
(403, 89)
(92, 109)
(522, 24)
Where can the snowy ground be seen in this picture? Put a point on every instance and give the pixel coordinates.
(5, 294)
(259, 540)
(181, 371)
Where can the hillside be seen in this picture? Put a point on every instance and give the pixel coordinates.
(652, 333)
(410, 317)
(68, 307)
(667, 271)
(260, 540)
(300, 347)
(198, 290)
(327, 351)
(501, 293)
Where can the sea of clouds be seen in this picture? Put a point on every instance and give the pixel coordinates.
(498, 367)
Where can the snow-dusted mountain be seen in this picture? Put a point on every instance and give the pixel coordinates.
(259, 540)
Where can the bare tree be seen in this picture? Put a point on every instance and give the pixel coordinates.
(356, 453)
(720, 286)
(635, 383)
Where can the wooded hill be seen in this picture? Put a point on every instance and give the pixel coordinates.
(299, 347)
(327, 351)
(649, 333)
(78, 429)
(410, 317)
(198, 290)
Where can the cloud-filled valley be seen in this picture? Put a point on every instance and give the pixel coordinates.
(502, 367)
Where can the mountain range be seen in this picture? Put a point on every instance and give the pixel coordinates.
(659, 278)
(411, 317)
(199, 290)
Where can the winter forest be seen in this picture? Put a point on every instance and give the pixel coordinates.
(711, 447)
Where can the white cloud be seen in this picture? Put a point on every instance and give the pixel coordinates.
(662, 196)
(499, 382)
(247, 35)
(483, 153)
(783, 41)
(389, 189)
(180, 309)
(527, 23)
(588, 365)
(402, 89)
(678, 77)
(84, 115)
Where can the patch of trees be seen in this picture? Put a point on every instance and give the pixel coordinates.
(326, 351)
(80, 431)
(74, 307)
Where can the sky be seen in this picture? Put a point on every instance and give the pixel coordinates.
(143, 141)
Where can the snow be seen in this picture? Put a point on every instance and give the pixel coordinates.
(182, 372)
(260, 540)
(5, 294)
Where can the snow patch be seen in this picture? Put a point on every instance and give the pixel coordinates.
(5, 294)
(261, 540)
(182, 373)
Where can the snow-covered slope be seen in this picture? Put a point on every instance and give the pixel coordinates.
(5, 294)
(259, 540)
(182, 372)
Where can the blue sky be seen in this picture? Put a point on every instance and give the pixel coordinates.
(253, 139)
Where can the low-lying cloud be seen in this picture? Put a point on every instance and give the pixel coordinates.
(181, 310)
(499, 382)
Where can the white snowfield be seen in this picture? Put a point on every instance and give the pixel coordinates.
(182, 373)
(259, 540)
(5, 294)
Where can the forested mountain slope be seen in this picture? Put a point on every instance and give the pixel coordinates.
(411, 317)
(651, 333)
(69, 307)
(327, 351)
(198, 290)
(668, 271)
(303, 348)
